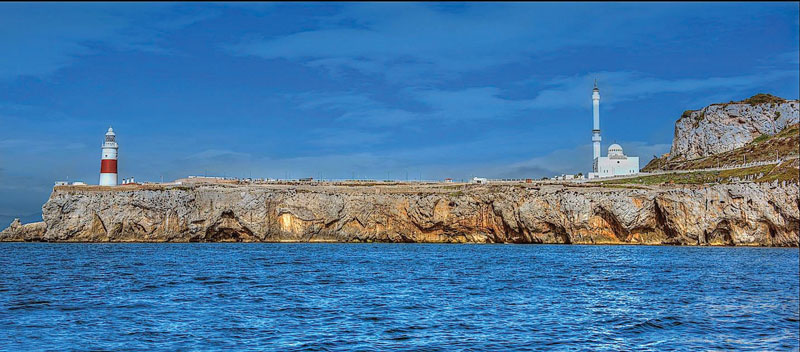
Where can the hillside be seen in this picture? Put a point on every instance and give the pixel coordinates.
(719, 128)
(783, 145)
(758, 129)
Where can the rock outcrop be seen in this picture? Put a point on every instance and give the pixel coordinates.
(763, 214)
(720, 128)
(28, 232)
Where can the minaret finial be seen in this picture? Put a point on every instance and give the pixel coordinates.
(595, 82)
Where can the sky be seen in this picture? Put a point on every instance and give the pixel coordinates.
(364, 90)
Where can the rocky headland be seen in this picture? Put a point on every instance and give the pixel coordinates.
(729, 207)
(759, 214)
(763, 214)
(720, 128)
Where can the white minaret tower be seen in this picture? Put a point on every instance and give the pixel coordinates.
(596, 129)
(108, 164)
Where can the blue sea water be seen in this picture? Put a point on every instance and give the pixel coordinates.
(365, 297)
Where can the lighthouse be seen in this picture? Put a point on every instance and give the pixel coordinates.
(596, 128)
(108, 164)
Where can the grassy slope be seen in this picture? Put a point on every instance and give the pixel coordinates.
(762, 148)
(786, 171)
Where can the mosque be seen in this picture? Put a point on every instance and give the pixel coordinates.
(616, 163)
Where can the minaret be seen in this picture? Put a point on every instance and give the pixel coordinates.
(108, 164)
(596, 129)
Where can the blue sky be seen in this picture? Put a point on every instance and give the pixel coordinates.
(365, 89)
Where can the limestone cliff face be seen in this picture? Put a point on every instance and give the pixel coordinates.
(19, 232)
(720, 128)
(739, 214)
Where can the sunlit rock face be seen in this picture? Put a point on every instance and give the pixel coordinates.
(720, 128)
(763, 214)
(19, 232)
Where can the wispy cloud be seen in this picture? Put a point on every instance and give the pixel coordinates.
(420, 42)
(217, 154)
(37, 145)
(492, 103)
(624, 86)
(336, 137)
(352, 107)
(38, 39)
(408, 40)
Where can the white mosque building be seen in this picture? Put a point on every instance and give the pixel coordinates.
(616, 163)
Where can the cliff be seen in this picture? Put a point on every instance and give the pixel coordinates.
(19, 232)
(763, 214)
(765, 148)
(720, 128)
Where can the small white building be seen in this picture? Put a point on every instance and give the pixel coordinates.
(480, 180)
(615, 164)
(564, 177)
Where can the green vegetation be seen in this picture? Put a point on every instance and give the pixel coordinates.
(760, 98)
(762, 148)
(623, 186)
(763, 98)
(760, 139)
(787, 171)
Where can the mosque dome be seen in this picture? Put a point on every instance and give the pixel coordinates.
(615, 150)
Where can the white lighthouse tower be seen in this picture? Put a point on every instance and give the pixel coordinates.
(596, 129)
(108, 164)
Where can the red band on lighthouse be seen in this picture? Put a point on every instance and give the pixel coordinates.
(108, 166)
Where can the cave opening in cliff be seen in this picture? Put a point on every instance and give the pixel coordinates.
(227, 229)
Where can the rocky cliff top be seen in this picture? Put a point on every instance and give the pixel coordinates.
(719, 128)
(735, 214)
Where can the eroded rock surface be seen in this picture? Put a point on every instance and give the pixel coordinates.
(19, 232)
(738, 214)
(720, 128)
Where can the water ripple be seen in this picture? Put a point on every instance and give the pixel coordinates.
(374, 297)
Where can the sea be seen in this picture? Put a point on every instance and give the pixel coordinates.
(396, 297)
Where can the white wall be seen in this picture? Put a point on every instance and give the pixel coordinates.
(617, 167)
